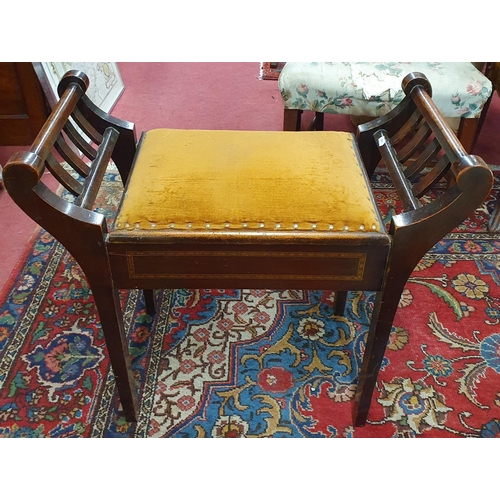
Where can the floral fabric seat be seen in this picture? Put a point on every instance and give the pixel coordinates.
(459, 90)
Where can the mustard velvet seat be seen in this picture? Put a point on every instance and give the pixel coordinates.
(236, 181)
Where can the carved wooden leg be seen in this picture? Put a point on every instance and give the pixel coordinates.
(149, 299)
(291, 120)
(339, 303)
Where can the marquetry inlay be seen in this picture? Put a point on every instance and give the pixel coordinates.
(153, 264)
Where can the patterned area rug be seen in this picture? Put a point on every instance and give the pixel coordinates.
(257, 363)
(271, 71)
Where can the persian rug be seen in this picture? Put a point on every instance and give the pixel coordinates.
(257, 363)
(271, 71)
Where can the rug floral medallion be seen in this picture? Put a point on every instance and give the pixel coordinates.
(257, 363)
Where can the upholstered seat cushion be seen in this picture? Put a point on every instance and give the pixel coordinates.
(236, 181)
(459, 90)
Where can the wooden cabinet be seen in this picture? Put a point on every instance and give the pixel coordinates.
(23, 107)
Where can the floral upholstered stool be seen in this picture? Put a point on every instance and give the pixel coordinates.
(369, 90)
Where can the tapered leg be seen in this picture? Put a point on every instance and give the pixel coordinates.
(384, 311)
(374, 354)
(108, 305)
(89, 250)
(149, 299)
(110, 313)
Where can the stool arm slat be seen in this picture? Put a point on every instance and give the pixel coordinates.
(401, 184)
(424, 159)
(406, 152)
(71, 156)
(98, 168)
(410, 126)
(63, 176)
(99, 120)
(427, 181)
(79, 141)
(85, 125)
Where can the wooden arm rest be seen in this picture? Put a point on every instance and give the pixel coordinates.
(401, 183)
(416, 88)
(57, 119)
(114, 140)
(419, 149)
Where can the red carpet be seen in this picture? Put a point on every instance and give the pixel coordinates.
(226, 363)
